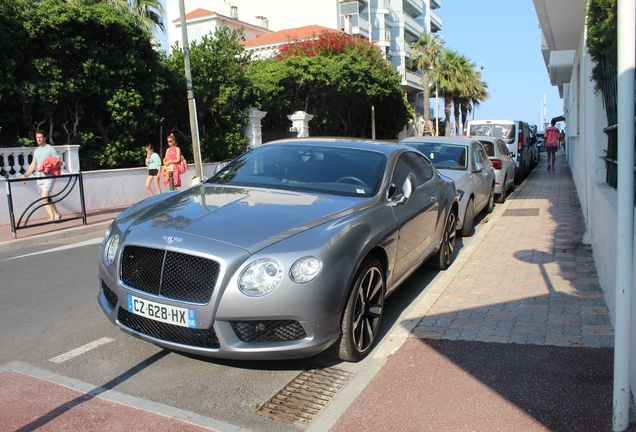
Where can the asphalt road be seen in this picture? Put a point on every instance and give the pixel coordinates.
(51, 320)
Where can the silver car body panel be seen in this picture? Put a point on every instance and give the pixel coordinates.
(237, 225)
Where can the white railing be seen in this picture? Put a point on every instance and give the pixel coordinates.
(14, 161)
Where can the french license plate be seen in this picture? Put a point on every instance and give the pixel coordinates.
(182, 317)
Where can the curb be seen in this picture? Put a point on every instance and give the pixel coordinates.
(100, 227)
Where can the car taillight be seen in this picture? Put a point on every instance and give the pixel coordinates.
(496, 163)
(520, 141)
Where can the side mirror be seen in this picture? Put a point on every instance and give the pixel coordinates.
(408, 188)
(478, 167)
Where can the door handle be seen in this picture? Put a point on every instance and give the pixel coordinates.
(434, 199)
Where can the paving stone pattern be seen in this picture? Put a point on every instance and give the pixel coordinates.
(532, 280)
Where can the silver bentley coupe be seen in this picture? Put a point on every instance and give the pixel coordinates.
(288, 250)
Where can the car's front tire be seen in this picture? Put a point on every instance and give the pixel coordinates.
(363, 312)
(446, 253)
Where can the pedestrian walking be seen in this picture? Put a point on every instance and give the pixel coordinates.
(171, 162)
(153, 162)
(552, 136)
(45, 172)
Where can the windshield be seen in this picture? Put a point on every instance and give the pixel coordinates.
(443, 156)
(506, 131)
(312, 168)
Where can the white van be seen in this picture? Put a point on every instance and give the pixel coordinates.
(516, 135)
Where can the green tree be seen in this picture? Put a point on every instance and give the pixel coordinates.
(222, 91)
(448, 76)
(88, 76)
(425, 53)
(336, 78)
(147, 14)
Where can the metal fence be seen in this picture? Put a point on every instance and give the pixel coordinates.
(22, 221)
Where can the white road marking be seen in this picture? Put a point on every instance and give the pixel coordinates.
(81, 350)
(61, 248)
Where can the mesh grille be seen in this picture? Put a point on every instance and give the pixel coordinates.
(169, 274)
(204, 338)
(268, 331)
(111, 297)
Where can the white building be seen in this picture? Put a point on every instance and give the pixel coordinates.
(569, 67)
(392, 24)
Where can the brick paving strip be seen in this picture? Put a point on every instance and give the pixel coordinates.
(531, 281)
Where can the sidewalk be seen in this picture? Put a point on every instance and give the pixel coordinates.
(518, 339)
(97, 221)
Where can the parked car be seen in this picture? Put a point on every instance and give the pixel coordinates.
(540, 143)
(289, 249)
(516, 135)
(533, 147)
(466, 162)
(499, 156)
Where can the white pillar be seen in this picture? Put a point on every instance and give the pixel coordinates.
(300, 123)
(253, 130)
(626, 12)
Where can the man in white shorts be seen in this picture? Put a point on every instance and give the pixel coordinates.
(45, 182)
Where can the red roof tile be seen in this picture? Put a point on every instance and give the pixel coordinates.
(289, 35)
(197, 13)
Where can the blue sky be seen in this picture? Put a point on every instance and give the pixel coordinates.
(505, 36)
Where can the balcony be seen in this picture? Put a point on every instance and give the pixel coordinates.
(436, 22)
(436, 4)
(412, 26)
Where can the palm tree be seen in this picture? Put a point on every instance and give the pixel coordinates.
(448, 76)
(426, 51)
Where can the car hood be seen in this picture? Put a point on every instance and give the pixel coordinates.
(455, 175)
(249, 218)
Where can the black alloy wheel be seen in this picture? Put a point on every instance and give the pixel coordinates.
(446, 253)
(363, 313)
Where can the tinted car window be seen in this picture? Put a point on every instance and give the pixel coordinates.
(497, 130)
(421, 167)
(489, 147)
(443, 156)
(334, 170)
(502, 148)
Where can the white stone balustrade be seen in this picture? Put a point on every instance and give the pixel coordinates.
(15, 160)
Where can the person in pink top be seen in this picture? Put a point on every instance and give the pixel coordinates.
(552, 136)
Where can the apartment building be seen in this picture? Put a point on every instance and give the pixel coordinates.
(392, 24)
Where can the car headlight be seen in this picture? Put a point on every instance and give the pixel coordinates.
(110, 228)
(460, 194)
(260, 277)
(305, 269)
(111, 249)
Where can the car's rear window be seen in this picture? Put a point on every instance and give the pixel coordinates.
(332, 170)
(489, 147)
(506, 131)
(443, 155)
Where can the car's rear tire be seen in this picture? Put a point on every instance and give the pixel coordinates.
(469, 219)
(504, 192)
(446, 253)
(363, 312)
(491, 200)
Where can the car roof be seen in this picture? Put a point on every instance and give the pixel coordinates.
(385, 147)
(458, 140)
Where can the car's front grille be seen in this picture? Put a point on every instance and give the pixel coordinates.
(204, 338)
(169, 274)
(269, 331)
(111, 297)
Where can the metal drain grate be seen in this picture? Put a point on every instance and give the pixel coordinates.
(305, 395)
(522, 212)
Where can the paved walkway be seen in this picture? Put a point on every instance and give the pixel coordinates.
(518, 338)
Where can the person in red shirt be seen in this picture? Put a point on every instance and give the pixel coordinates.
(552, 136)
